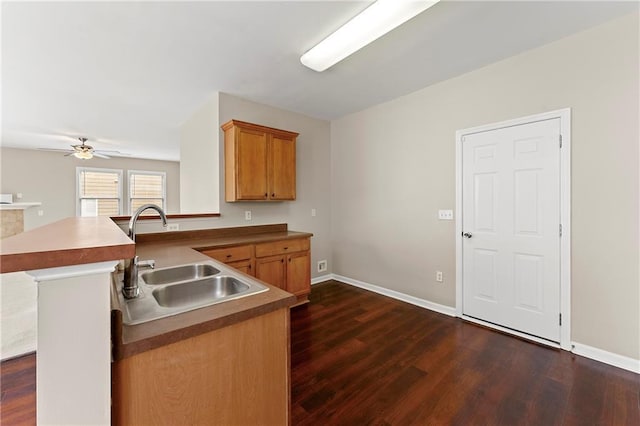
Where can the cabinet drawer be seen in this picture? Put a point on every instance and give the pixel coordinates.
(281, 247)
(230, 254)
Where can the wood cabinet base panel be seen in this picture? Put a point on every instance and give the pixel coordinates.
(237, 375)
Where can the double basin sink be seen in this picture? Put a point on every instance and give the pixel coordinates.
(170, 291)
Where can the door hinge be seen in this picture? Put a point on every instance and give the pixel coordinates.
(560, 138)
(559, 319)
(560, 230)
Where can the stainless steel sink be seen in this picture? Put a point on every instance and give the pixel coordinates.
(213, 289)
(179, 273)
(171, 291)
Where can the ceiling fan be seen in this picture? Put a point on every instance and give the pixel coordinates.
(84, 151)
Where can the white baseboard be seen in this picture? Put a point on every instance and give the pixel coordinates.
(321, 279)
(606, 357)
(447, 310)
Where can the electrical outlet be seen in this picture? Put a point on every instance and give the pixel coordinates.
(173, 227)
(313, 212)
(322, 266)
(40, 212)
(247, 215)
(439, 276)
(445, 214)
(19, 195)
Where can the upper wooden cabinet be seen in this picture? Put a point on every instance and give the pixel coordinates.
(260, 162)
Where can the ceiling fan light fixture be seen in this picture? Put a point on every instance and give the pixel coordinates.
(371, 24)
(83, 155)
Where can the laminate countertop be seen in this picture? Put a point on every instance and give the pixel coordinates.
(67, 242)
(178, 248)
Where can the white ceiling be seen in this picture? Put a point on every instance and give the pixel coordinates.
(127, 74)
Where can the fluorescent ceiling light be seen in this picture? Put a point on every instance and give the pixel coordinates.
(372, 23)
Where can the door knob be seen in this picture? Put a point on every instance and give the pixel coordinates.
(467, 234)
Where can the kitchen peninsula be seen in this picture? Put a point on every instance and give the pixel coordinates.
(72, 260)
(226, 363)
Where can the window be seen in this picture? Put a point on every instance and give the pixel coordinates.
(99, 192)
(146, 188)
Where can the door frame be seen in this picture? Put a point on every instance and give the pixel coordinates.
(565, 219)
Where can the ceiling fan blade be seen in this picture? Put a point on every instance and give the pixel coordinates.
(112, 153)
(55, 150)
(82, 147)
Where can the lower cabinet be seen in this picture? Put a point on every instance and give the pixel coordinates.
(299, 273)
(285, 264)
(245, 266)
(236, 375)
(272, 270)
(289, 272)
(239, 257)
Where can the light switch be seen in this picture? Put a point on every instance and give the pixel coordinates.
(445, 214)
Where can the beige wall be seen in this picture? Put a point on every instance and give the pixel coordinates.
(313, 175)
(394, 167)
(50, 178)
(313, 156)
(199, 160)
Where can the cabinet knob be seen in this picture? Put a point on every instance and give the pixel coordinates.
(266, 195)
(281, 260)
(228, 256)
(289, 260)
(286, 248)
(273, 194)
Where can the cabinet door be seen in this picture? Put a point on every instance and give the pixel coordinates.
(251, 164)
(282, 168)
(299, 273)
(243, 266)
(272, 270)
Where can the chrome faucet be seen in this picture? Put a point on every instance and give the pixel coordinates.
(130, 289)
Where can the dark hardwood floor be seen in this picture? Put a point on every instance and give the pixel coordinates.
(359, 358)
(18, 391)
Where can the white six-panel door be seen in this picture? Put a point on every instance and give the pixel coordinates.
(511, 221)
